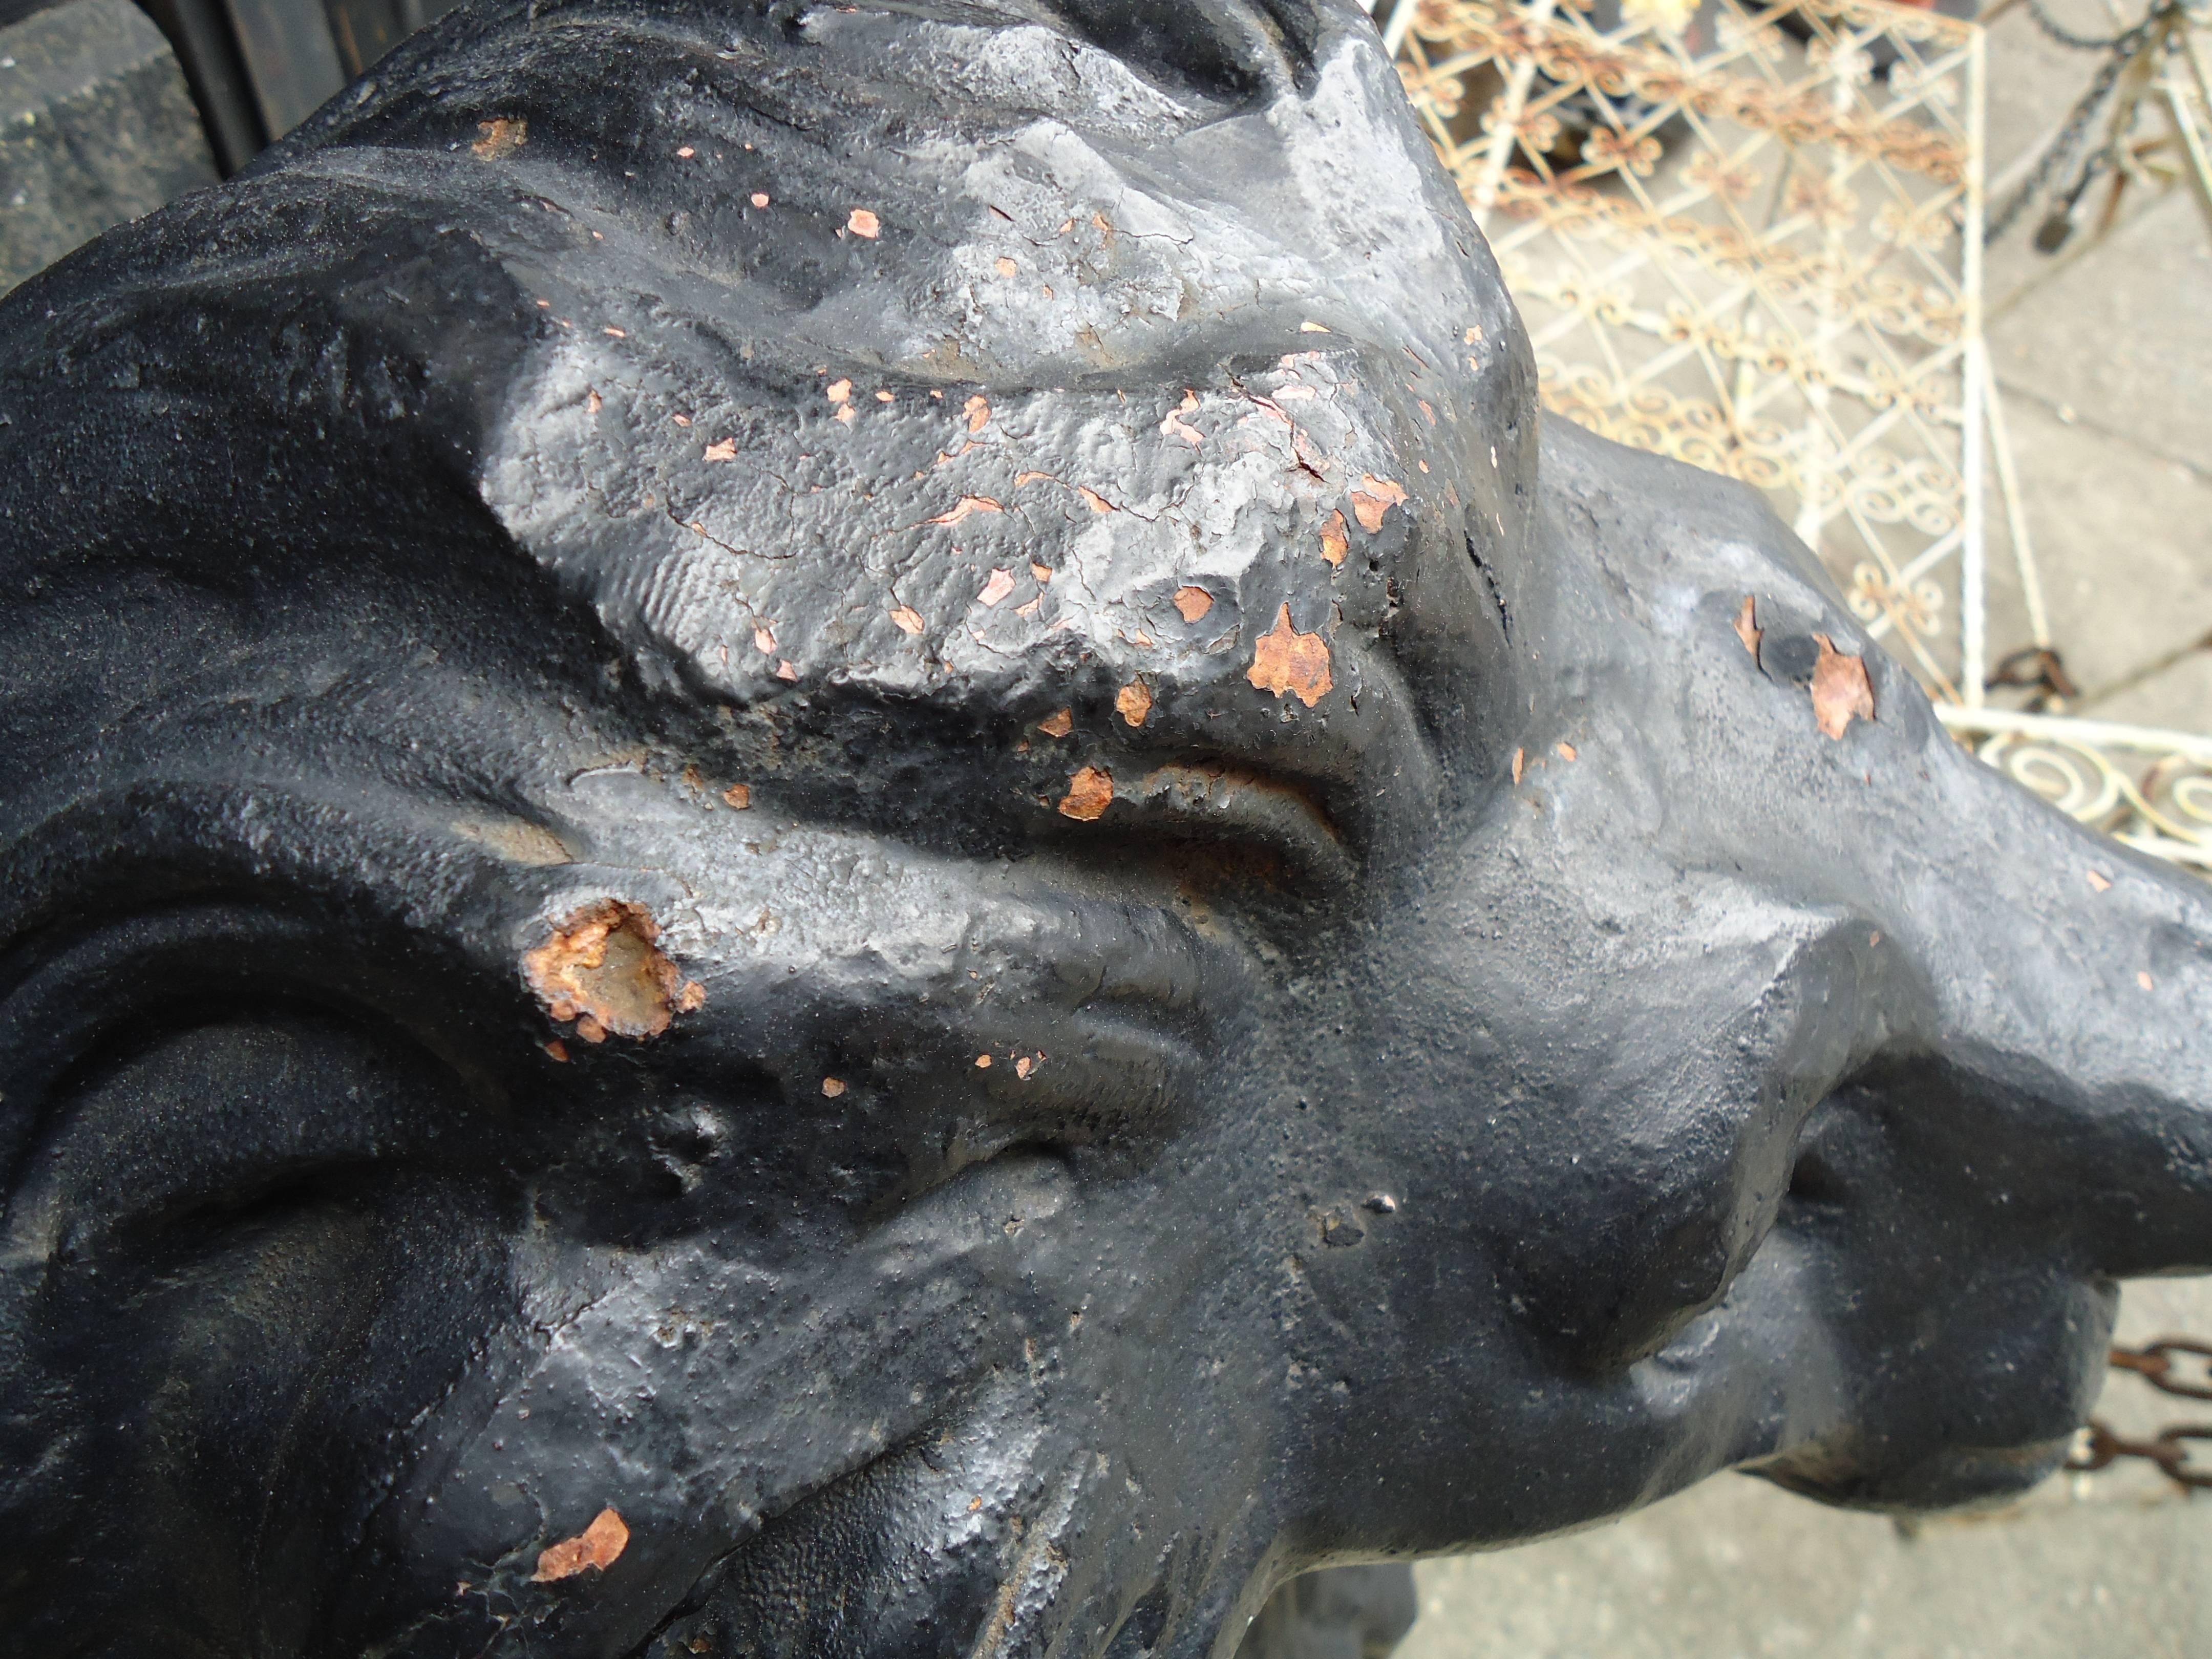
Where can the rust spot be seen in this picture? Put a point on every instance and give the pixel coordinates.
(1193, 603)
(1840, 689)
(2099, 882)
(977, 408)
(603, 968)
(722, 449)
(1090, 792)
(1176, 427)
(1134, 701)
(1093, 500)
(738, 796)
(1000, 584)
(1520, 762)
(557, 1050)
(862, 222)
(502, 135)
(833, 1086)
(1747, 625)
(1059, 725)
(1333, 539)
(600, 1545)
(1005, 266)
(1374, 497)
(1564, 750)
(516, 842)
(1284, 659)
(907, 618)
(963, 507)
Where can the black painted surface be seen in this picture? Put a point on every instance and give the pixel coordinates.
(1537, 1072)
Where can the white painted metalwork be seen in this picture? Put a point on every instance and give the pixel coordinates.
(1748, 235)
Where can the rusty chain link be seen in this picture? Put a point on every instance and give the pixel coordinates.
(2169, 1449)
(2155, 1364)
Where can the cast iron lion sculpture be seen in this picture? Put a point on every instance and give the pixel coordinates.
(828, 832)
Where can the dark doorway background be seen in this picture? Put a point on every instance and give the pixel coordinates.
(257, 68)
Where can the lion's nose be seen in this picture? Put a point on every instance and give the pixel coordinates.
(2071, 1037)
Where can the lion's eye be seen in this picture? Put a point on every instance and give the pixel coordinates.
(217, 1125)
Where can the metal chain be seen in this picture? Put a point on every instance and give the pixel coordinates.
(2169, 1448)
(2061, 156)
(2066, 37)
(2168, 1451)
(2155, 1364)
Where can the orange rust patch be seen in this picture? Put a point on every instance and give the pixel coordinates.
(908, 619)
(1840, 689)
(722, 449)
(1193, 603)
(963, 507)
(1000, 584)
(1059, 725)
(502, 137)
(1284, 659)
(1747, 625)
(1134, 701)
(1520, 762)
(1333, 539)
(738, 796)
(1090, 792)
(603, 967)
(600, 1545)
(1176, 427)
(1374, 497)
(862, 222)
